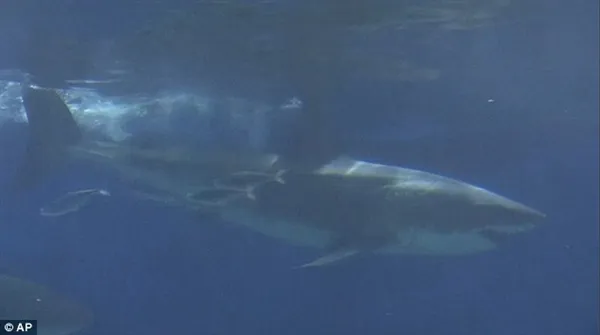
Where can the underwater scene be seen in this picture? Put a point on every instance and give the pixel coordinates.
(299, 167)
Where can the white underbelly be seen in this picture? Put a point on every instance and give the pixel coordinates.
(426, 242)
(291, 232)
(414, 241)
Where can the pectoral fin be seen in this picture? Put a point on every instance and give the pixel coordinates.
(330, 258)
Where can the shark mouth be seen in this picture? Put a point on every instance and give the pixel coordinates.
(496, 236)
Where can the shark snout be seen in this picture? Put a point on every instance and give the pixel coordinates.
(522, 212)
(531, 214)
(502, 208)
(514, 214)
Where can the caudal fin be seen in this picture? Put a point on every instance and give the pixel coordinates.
(52, 130)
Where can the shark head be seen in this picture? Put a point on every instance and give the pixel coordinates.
(399, 210)
(450, 216)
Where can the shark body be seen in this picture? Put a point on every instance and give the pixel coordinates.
(345, 206)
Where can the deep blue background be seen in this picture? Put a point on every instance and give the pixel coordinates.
(140, 267)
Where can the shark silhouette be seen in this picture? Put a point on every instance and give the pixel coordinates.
(343, 206)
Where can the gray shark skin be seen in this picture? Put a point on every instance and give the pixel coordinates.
(56, 315)
(344, 207)
(51, 131)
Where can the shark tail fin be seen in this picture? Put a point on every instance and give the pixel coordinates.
(52, 130)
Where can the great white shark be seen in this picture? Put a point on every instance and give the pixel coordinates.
(344, 206)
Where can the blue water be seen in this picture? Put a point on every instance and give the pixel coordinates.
(516, 111)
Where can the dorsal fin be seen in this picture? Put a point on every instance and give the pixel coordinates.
(52, 130)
